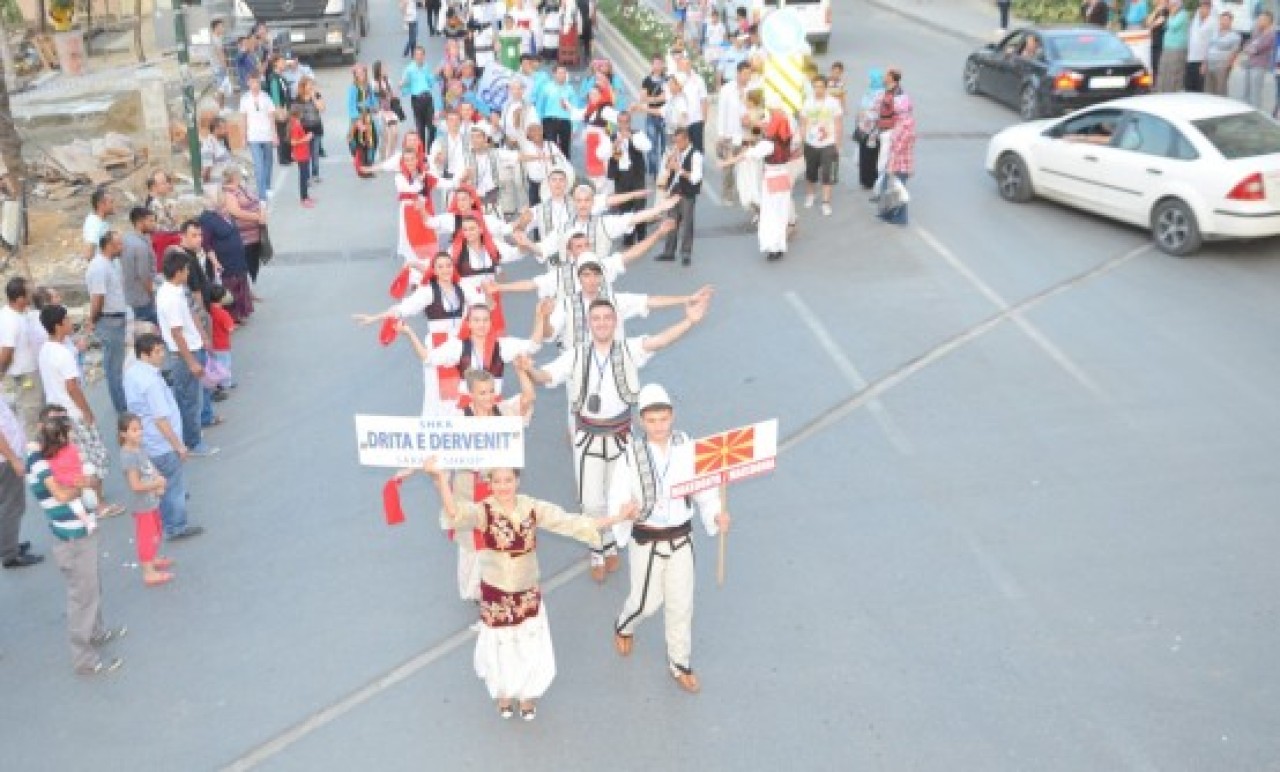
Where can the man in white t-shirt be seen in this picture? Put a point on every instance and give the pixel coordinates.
(64, 386)
(731, 108)
(821, 124)
(182, 338)
(101, 206)
(257, 111)
(18, 356)
(695, 90)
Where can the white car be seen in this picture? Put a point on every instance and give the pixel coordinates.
(1188, 166)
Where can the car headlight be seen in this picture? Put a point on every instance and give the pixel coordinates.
(333, 7)
(333, 36)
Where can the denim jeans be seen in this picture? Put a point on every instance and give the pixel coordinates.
(206, 394)
(111, 332)
(173, 504)
(146, 313)
(412, 42)
(187, 393)
(315, 155)
(261, 153)
(655, 129)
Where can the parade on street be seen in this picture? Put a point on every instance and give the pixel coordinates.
(666, 384)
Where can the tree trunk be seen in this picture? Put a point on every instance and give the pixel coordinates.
(137, 31)
(10, 142)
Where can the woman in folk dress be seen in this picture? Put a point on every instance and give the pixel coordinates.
(513, 651)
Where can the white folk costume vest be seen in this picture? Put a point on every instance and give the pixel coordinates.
(576, 327)
(625, 375)
(484, 176)
(646, 474)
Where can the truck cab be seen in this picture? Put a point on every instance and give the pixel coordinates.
(312, 28)
(816, 15)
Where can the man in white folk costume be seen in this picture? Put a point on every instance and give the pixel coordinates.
(602, 379)
(661, 537)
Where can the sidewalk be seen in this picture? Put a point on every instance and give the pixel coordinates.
(972, 21)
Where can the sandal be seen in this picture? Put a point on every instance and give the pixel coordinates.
(162, 563)
(529, 713)
(111, 510)
(102, 667)
(164, 577)
(506, 711)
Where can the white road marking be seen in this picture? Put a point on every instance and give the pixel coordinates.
(889, 381)
(364, 694)
(850, 373)
(1030, 330)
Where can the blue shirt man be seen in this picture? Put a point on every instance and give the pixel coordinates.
(417, 78)
(149, 397)
(556, 97)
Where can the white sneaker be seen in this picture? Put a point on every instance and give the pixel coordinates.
(808, 201)
(826, 210)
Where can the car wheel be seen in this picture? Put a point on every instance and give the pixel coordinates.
(1029, 103)
(972, 77)
(1013, 180)
(1174, 227)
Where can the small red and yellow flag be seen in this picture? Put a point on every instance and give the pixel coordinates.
(725, 450)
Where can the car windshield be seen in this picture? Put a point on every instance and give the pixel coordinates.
(1241, 135)
(1097, 46)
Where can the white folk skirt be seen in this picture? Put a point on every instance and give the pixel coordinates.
(517, 661)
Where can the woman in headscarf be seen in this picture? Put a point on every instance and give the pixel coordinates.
(867, 131)
(901, 163)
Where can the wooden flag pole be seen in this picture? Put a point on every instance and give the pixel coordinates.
(724, 507)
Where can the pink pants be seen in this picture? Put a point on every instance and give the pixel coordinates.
(146, 534)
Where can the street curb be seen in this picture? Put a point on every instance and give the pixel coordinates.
(925, 21)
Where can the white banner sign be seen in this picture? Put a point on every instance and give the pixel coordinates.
(456, 442)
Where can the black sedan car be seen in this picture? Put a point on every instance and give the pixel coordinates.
(1045, 71)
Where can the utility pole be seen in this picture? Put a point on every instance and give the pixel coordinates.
(188, 93)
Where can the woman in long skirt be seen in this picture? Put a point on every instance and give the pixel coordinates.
(513, 651)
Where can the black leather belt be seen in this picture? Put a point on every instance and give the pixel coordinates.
(116, 315)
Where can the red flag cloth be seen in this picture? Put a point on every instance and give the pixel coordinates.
(391, 502)
(400, 284)
(421, 236)
(387, 332)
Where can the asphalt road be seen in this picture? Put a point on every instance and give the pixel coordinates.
(1023, 517)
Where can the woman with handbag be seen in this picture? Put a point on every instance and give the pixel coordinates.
(390, 112)
(312, 107)
(250, 218)
(900, 164)
(867, 131)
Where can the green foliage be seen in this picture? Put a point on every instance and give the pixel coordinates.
(1047, 11)
(648, 32)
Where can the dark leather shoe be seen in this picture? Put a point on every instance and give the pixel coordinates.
(24, 547)
(686, 260)
(665, 258)
(186, 533)
(23, 560)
